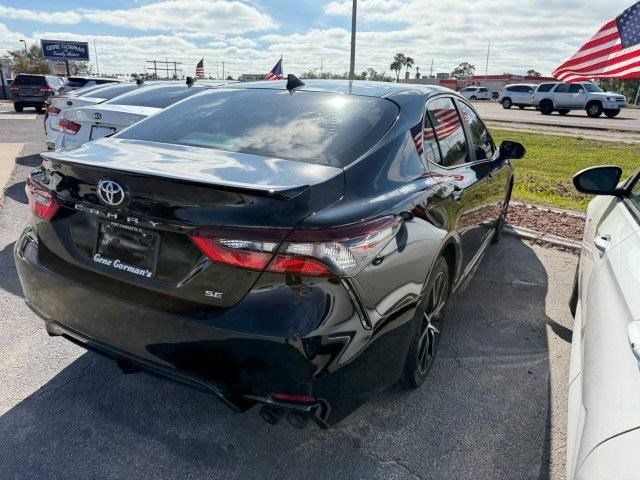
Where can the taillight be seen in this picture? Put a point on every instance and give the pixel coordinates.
(53, 110)
(337, 251)
(46, 89)
(42, 202)
(15, 88)
(67, 126)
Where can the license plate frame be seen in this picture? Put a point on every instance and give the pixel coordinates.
(97, 128)
(127, 248)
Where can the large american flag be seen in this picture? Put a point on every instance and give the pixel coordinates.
(613, 52)
(200, 69)
(276, 72)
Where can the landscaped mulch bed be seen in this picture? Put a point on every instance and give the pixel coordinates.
(544, 220)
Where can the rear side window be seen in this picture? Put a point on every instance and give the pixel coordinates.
(575, 88)
(545, 87)
(29, 80)
(449, 132)
(483, 90)
(157, 97)
(313, 127)
(480, 137)
(635, 194)
(562, 88)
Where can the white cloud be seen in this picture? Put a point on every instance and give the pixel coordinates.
(39, 16)
(219, 16)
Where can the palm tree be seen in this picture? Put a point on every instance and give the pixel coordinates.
(408, 62)
(398, 62)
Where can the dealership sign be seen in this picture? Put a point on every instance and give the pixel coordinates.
(65, 50)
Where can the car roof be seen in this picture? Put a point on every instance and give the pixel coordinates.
(521, 85)
(113, 79)
(356, 87)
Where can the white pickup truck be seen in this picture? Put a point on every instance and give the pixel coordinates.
(564, 97)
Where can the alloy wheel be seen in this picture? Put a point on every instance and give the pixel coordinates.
(431, 323)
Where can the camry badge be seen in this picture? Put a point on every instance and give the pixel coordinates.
(110, 193)
(97, 116)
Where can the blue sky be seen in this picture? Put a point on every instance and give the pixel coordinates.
(249, 35)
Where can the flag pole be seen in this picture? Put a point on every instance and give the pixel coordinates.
(352, 66)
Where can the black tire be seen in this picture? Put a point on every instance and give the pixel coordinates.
(473, 97)
(594, 109)
(506, 103)
(612, 112)
(563, 111)
(39, 110)
(18, 107)
(430, 317)
(502, 219)
(546, 107)
(521, 107)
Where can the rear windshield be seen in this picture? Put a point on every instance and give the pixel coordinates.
(29, 80)
(313, 127)
(157, 97)
(76, 83)
(113, 90)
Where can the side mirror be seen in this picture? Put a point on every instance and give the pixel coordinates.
(511, 150)
(598, 180)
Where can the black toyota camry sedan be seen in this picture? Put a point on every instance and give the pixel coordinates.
(280, 245)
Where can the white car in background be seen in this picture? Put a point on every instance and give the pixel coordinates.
(82, 124)
(519, 95)
(603, 425)
(58, 104)
(476, 93)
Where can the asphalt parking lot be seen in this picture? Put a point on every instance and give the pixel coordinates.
(627, 121)
(494, 406)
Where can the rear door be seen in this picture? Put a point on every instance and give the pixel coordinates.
(561, 96)
(463, 184)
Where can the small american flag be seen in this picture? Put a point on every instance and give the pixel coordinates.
(276, 72)
(200, 69)
(613, 52)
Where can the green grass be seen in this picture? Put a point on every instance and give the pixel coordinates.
(543, 176)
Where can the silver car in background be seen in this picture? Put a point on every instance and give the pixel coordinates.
(603, 428)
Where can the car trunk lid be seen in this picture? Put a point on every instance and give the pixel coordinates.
(171, 192)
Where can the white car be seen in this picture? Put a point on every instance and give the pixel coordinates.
(603, 425)
(476, 93)
(80, 125)
(564, 97)
(518, 95)
(58, 104)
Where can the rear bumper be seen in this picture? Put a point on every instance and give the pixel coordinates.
(28, 101)
(342, 366)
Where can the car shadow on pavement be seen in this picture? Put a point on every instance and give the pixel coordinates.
(484, 412)
(8, 275)
(30, 160)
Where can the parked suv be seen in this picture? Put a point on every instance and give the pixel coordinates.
(33, 90)
(517, 94)
(74, 83)
(476, 93)
(564, 97)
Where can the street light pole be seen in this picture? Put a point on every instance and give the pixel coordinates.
(26, 52)
(352, 67)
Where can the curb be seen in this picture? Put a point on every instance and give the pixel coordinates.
(566, 126)
(532, 235)
(534, 206)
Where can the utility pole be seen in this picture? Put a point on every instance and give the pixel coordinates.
(431, 69)
(217, 71)
(223, 77)
(26, 52)
(352, 66)
(95, 52)
(486, 68)
(321, 66)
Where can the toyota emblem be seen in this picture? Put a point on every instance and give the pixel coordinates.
(110, 193)
(97, 116)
